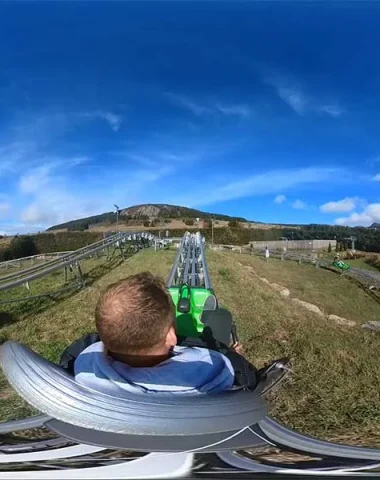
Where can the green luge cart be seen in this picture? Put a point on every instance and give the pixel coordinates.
(188, 323)
(341, 265)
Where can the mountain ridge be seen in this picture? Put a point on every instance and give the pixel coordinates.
(147, 212)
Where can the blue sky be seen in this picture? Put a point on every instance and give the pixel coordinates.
(259, 109)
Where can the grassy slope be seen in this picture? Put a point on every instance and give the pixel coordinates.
(334, 391)
(361, 263)
(333, 293)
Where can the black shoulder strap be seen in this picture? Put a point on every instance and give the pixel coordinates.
(70, 354)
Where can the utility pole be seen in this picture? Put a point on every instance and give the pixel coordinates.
(353, 240)
(117, 216)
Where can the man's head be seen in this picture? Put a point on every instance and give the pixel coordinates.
(136, 316)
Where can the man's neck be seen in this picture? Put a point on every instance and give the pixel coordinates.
(147, 360)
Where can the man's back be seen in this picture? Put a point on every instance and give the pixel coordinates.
(188, 371)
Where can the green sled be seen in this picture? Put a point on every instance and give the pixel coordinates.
(189, 324)
(341, 265)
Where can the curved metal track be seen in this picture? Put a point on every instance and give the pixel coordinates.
(126, 243)
(60, 458)
(190, 264)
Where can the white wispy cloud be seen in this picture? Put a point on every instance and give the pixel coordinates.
(332, 110)
(377, 177)
(371, 214)
(76, 161)
(51, 199)
(294, 98)
(36, 179)
(47, 188)
(13, 154)
(236, 110)
(113, 119)
(298, 99)
(4, 209)
(185, 102)
(280, 199)
(209, 107)
(345, 205)
(299, 205)
(55, 198)
(17, 229)
(271, 182)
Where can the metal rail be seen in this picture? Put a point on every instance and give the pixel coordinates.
(104, 242)
(39, 271)
(190, 264)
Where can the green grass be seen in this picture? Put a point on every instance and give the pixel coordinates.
(356, 262)
(361, 263)
(334, 390)
(334, 294)
(23, 266)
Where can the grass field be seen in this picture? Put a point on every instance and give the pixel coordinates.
(21, 266)
(361, 263)
(333, 293)
(357, 262)
(334, 390)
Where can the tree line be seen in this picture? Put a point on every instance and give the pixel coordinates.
(367, 240)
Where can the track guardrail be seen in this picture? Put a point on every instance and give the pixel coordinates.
(70, 261)
(190, 264)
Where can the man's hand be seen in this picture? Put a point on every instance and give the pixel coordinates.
(237, 347)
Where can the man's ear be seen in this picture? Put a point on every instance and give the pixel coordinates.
(171, 338)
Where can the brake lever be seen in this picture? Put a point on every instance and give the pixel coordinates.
(234, 335)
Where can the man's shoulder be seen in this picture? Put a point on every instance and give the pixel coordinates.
(94, 347)
(199, 354)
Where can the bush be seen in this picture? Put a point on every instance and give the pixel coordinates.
(147, 223)
(189, 221)
(373, 260)
(23, 246)
(229, 238)
(329, 250)
(233, 224)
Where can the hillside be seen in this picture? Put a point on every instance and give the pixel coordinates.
(142, 214)
(173, 211)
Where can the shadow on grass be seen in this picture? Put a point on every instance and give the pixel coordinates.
(22, 309)
(6, 318)
(100, 270)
